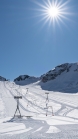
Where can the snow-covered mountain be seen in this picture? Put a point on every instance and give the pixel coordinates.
(22, 77)
(63, 78)
(25, 79)
(54, 73)
(2, 78)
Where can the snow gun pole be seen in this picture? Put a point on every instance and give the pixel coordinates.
(17, 109)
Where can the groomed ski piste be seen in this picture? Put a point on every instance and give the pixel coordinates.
(61, 121)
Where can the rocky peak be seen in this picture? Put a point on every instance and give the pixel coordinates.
(22, 77)
(58, 70)
(2, 78)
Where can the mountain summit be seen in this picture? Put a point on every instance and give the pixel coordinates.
(63, 69)
(63, 78)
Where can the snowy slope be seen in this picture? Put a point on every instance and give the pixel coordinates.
(61, 121)
(63, 106)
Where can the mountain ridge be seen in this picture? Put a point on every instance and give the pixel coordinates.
(63, 78)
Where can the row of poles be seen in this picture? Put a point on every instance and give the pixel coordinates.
(20, 97)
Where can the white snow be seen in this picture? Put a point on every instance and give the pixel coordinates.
(53, 129)
(38, 129)
(63, 124)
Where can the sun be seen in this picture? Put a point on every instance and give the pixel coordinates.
(53, 11)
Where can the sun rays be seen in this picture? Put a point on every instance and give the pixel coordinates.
(53, 11)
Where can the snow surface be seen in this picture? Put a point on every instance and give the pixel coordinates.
(61, 123)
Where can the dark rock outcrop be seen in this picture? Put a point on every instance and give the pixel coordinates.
(21, 77)
(52, 74)
(2, 78)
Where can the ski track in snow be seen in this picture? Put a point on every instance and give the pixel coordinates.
(62, 125)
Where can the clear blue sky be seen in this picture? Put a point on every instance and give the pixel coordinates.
(30, 46)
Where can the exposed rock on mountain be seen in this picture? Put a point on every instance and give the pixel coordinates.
(63, 78)
(52, 74)
(25, 79)
(2, 78)
(21, 77)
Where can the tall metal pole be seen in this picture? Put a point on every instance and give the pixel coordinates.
(17, 109)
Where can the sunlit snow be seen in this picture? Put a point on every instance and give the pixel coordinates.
(60, 122)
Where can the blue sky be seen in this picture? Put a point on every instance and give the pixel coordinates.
(29, 44)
